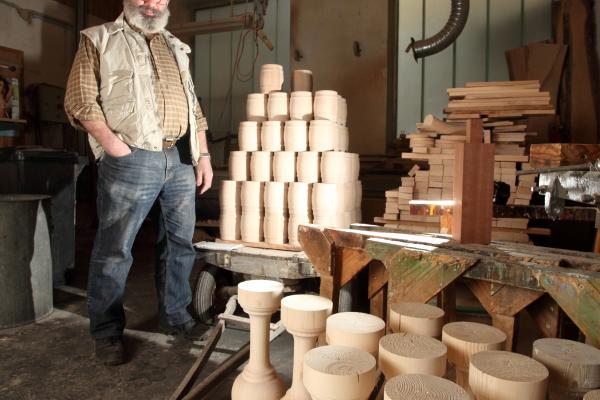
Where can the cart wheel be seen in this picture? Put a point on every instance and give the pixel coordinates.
(206, 302)
(346, 295)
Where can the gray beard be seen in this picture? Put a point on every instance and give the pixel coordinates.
(145, 23)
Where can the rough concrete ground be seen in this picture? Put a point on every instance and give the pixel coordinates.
(53, 358)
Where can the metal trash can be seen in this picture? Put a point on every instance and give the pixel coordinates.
(50, 172)
(25, 260)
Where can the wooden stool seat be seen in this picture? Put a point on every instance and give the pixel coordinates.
(574, 367)
(502, 375)
(418, 318)
(407, 353)
(339, 372)
(593, 395)
(423, 387)
(354, 329)
(464, 339)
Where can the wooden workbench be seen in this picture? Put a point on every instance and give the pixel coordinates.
(506, 277)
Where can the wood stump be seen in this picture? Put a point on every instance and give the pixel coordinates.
(354, 329)
(502, 375)
(464, 339)
(423, 387)
(260, 299)
(407, 353)
(574, 367)
(304, 316)
(417, 318)
(593, 395)
(339, 373)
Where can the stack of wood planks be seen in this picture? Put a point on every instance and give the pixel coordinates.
(501, 106)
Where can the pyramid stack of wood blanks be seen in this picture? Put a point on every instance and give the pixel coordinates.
(294, 147)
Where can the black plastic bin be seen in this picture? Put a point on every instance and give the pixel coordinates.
(47, 172)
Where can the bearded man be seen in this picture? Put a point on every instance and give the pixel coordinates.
(130, 88)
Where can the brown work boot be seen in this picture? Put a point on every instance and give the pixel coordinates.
(110, 351)
(190, 330)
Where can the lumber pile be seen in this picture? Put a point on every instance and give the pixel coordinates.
(559, 154)
(501, 106)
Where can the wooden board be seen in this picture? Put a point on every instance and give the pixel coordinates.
(473, 188)
(263, 245)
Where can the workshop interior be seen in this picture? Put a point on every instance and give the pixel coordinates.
(300, 199)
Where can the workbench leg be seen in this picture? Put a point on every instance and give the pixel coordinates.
(507, 325)
(546, 314)
(378, 290)
(330, 289)
(446, 300)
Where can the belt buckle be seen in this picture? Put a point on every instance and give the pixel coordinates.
(168, 143)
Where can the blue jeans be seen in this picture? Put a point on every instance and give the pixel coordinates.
(127, 188)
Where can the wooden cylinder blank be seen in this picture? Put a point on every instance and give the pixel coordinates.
(284, 166)
(302, 80)
(464, 339)
(251, 227)
(230, 196)
(593, 395)
(342, 112)
(276, 197)
(249, 136)
(418, 318)
(574, 367)
(295, 136)
(322, 135)
(301, 106)
(308, 165)
(342, 139)
(326, 105)
(275, 228)
(423, 387)
(335, 167)
(256, 107)
(294, 221)
(502, 375)
(355, 329)
(271, 136)
(261, 166)
(299, 198)
(278, 106)
(230, 225)
(271, 78)
(239, 165)
(407, 353)
(339, 373)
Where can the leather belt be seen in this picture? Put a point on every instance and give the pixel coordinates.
(168, 143)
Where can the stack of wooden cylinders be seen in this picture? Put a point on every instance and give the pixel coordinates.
(502, 375)
(417, 318)
(574, 367)
(253, 212)
(339, 373)
(593, 395)
(230, 203)
(353, 329)
(423, 387)
(407, 353)
(463, 340)
(292, 138)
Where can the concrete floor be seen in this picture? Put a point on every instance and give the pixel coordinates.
(53, 358)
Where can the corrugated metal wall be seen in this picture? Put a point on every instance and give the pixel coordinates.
(477, 55)
(224, 98)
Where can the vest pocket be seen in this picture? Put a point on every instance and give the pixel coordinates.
(120, 116)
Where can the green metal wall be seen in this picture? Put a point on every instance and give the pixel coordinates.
(224, 98)
(478, 55)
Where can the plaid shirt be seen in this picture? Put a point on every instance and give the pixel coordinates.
(83, 96)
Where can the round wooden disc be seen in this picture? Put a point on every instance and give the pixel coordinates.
(355, 329)
(339, 372)
(572, 365)
(418, 318)
(504, 375)
(305, 313)
(407, 353)
(423, 387)
(466, 338)
(593, 395)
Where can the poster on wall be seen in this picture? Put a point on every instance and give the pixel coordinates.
(9, 97)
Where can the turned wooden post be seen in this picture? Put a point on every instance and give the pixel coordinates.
(304, 316)
(260, 299)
